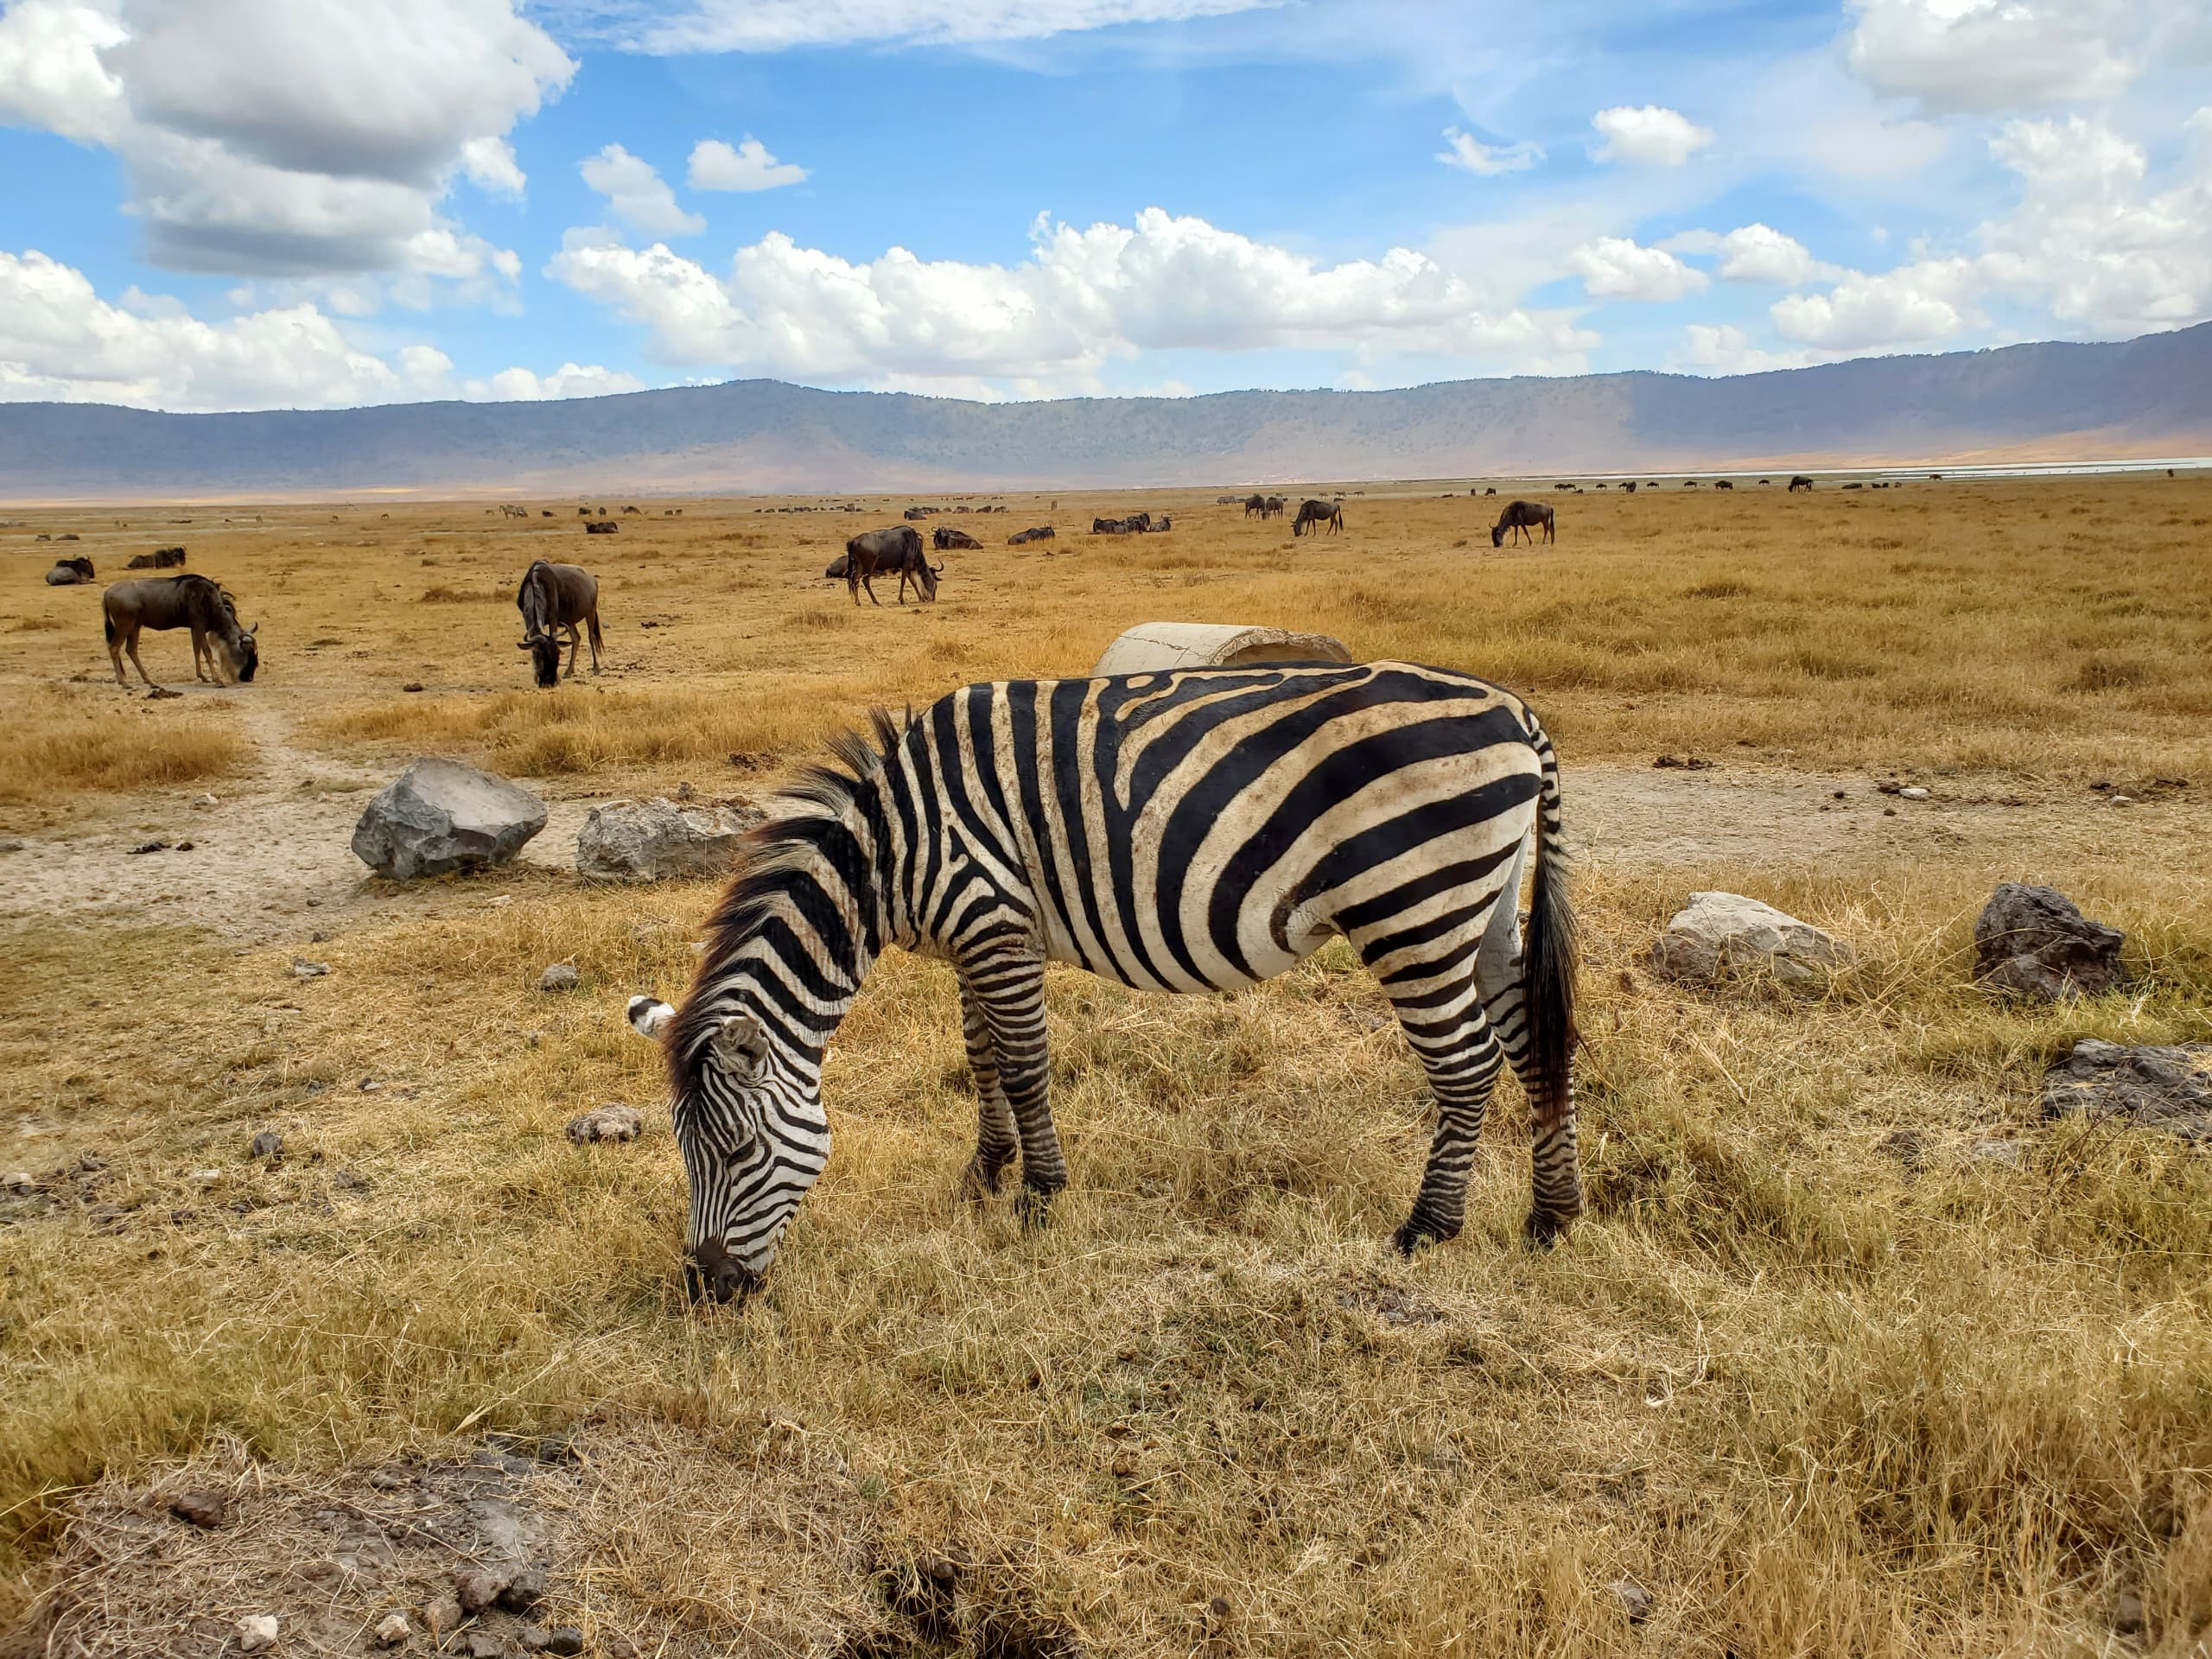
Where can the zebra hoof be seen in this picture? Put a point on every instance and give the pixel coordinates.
(1545, 1230)
(1410, 1238)
(1034, 1207)
(981, 1180)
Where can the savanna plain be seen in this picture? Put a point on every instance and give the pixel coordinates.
(1818, 1374)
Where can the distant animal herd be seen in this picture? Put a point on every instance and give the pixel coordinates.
(557, 599)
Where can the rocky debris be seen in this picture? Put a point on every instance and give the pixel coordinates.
(18, 1183)
(524, 1590)
(656, 839)
(483, 1644)
(1995, 1150)
(609, 1122)
(412, 685)
(440, 816)
(1912, 792)
(392, 1630)
(267, 1144)
(201, 1508)
(1721, 937)
(2148, 1085)
(561, 977)
(303, 968)
(1681, 763)
(160, 693)
(347, 1180)
(477, 1589)
(2033, 942)
(204, 801)
(257, 1631)
(145, 847)
(1633, 1598)
(565, 1641)
(442, 1615)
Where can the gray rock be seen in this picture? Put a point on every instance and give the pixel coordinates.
(564, 1642)
(267, 1144)
(609, 1122)
(2150, 1086)
(442, 1615)
(1995, 1151)
(257, 1631)
(18, 1183)
(1635, 1601)
(561, 977)
(477, 1589)
(440, 816)
(525, 1592)
(303, 968)
(2127, 1613)
(655, 840)
(2033, 942)
(1724, 936)
(392, 1630)
(1913, 793)
(483, 1644)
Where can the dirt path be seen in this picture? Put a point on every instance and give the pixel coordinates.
(276, 846)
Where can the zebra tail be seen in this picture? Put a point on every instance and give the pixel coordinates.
(1548, 963)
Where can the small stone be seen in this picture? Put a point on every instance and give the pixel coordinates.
(267, 1144)
(685, 793)
(482, 1644)
(303, 968)
(412, 685)
(609, 1122)
(347, 1180)
(1915, 793)
(561, 977)
(257, 1631)
(477, 1589)
(185, 846)
(2147, 1086)
(151, 847)
(18, 1183)
(2127, 1614)
(566, 1641)
(2123, 800)
(442, 1617)
(1995, 1151)
(202, 1510)
(368, 1085)
(203, 802)
(160, 693)
(392, 1630)
(621, 1647)
(524, 1590)
(1633, 1600)
(534, 1637)
(205, 1176)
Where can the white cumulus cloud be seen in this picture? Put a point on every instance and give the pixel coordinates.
(1616, 267)
(1753, 253)
(287, 137)
(1990, 54)
(1486, 160)
(715, 166)
(1920, 304)
(1084, 297)
(1648, 136)
(569, 380)
(1723, 348)
(636, 195)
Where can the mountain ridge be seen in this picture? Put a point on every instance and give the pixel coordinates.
(2151, 396)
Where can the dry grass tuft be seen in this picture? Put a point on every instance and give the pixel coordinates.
(63, 742)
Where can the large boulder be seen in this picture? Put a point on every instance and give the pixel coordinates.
(2155, 1087)
(2033, 942)
(1153, 647)
(1723, 937)
(440, 816)
(653, 840)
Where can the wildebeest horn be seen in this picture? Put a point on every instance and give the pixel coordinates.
(936, 570)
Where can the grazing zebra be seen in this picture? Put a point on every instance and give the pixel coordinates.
(1197, 830)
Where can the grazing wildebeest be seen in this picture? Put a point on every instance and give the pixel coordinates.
(945, 538)
(1724, 485)
(557, 596)
(595, 528)
(193, 603)
(1521, 517)
(1255, 504)
(1766, 480)
(1275, 505)
(836, 569)
(1040, 533)
(1854, 485)
(1689, 483)
(1317, 513)
(881, 551)
(68, 572)
(1492, 490)
(1800, 482)
(162, 558)
(1629, 488)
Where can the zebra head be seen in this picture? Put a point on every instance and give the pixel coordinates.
(754, 1138)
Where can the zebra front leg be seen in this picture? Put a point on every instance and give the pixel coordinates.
(995, 1140)
(1009, 987)
(1460, 1053)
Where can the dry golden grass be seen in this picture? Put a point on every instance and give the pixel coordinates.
(56, 743)
(1812, 1400)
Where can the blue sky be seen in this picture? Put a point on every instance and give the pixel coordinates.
(223, 204)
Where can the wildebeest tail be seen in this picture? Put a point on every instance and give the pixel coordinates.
(1550, 960)
(107, 627)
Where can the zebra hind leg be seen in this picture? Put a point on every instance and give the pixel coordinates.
(995, 1140)
(1009, 989)
(1452, 1039)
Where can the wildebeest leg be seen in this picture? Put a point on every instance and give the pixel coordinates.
(115, 640)
(575, 645)
(592, 623)
(1009, 987)
(867, 581)
(131, 644)
(995, 1140)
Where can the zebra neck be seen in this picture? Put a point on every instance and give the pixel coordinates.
(809, 928)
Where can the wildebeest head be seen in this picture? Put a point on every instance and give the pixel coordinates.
(1498, 535)
(925, 576)
(753, 1135)
(244, 655)
(544, 657)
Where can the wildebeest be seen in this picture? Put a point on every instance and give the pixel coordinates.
(1492, 490)
(612, 527)
(1110, 527)
(1766, 480)
(1275, 505)
(68, 572)
(1629, 488)
(555, 596)
(1317, 513)
(193, 603)
(1255, 504)
(1521, 517)
(162, 558)
(1040, 533)
(945, 537)
(899, 548)
(1854, 485)
(1689, 483)
(1724, 485)
(1800, 482)
(920, 512)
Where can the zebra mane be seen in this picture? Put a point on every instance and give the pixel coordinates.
(774, 855)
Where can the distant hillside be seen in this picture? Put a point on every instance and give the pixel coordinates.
(2146, 397)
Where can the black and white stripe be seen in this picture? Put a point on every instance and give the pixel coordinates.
(1186, 832)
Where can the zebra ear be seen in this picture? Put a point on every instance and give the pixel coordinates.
(738, 1046)
(649, 1015)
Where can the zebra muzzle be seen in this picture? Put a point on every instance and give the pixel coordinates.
(711, 1273)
